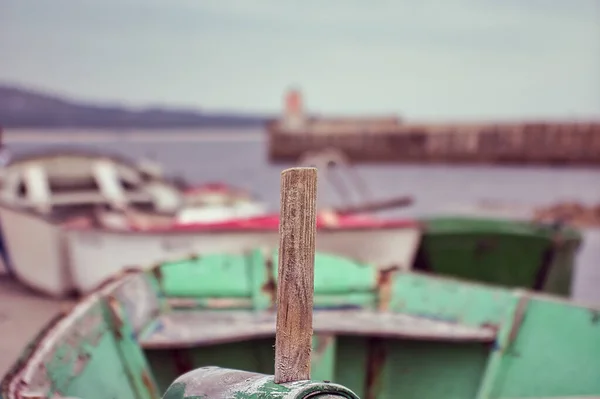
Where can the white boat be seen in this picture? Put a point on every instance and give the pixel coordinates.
(69, 221)
(58, 260)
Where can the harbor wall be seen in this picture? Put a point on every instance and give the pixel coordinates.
(571, 143)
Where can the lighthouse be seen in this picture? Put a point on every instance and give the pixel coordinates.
(293, 115)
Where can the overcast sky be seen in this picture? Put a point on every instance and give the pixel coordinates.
(423, 59)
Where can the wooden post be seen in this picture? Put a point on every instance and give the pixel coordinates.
(295, 283)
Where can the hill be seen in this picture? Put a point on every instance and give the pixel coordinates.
(24, 108)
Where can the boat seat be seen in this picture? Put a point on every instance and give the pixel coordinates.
(181, 329)
(38, 188)
(108, 180)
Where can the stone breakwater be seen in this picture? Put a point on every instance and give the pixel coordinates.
(551, 143)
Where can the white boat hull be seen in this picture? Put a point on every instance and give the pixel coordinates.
(37, 252)
(57, 261)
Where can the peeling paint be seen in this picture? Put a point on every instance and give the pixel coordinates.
(519, 315)
(270, 286)
(210, 303)
(323, 342)
(376, 357)
(70, 353)
(228, 303)
(384, 286)
(182, 303)
(149, 385)
(157, 272)
(195, 257)
(117, 315)
(218, 383)
(138, 301)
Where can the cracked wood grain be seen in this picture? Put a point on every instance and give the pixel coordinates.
(295, 286)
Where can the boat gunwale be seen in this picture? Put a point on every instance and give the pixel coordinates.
(468, 224)
(594, 307)
(70, 151)
(49, 330)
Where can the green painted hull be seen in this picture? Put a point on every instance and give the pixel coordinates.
(502, 252)
(380, 333)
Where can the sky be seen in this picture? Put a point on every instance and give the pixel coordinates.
(449, 60)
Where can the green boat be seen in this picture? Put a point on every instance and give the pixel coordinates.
(187, 329)
(378, 332)
(506, 252)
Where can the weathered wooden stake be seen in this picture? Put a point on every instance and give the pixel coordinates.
(295, 283)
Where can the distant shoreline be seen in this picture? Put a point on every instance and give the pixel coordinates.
(158, 135)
